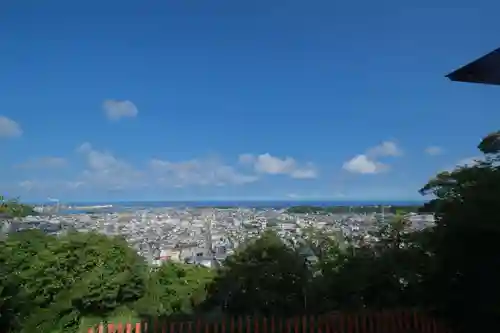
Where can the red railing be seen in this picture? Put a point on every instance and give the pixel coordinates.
(337, 322)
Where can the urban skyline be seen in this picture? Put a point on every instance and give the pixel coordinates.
(206, 236)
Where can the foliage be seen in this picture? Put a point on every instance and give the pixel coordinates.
(14, 209)
(464, 280)
(60, 280)
(174, 288)
(267, 276)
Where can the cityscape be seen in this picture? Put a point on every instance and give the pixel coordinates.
(206, 235)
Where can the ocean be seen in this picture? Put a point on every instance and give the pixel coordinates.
(127, 205)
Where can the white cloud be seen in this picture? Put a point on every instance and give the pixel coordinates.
(9, 128)
(48, 185)
(74, 184)
(116, 109)
(84, 147)
(368, 163)
(364, 165)
(266, 163)
(105, 170)
(308, 173)
(246, 158)
(271, 165)
(386, 148)
(198, 172)
(27, 185)
(315, 196)
(433, 150)
(464, 162)
(469, 161)
(44, 163)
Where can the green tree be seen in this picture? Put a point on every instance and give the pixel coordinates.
(391, 235)
(10, 300)
(332, 251)
(17, 254)
(174, 288)
(59, 280)
(266, 276)
(385, 272)
(324, 244)
(464, 281)
(13, 208)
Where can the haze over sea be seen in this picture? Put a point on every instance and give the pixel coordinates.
(127, 205)
(249, 203)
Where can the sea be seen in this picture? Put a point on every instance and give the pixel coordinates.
(138, 205)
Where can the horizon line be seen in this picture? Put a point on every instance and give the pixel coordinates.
(236, 200)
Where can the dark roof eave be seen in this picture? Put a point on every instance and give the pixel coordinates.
(484, 70)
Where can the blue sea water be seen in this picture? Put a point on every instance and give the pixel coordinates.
(126, 205)
(256, 204)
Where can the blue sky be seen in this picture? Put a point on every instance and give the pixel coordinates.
(187, 100)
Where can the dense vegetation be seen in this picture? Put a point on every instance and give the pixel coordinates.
(13, 208)
(52, 284)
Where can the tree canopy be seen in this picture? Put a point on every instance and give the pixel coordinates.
(467, 262)
(59, 280)
(266, 276)
(13, 208)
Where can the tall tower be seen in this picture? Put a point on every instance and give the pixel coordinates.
(208, 237)
(5, 221)
(57, 204)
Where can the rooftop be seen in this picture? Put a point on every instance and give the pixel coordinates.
(484, 70)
